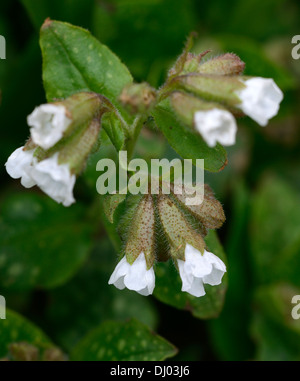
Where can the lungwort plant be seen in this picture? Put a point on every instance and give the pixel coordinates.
(166, 244)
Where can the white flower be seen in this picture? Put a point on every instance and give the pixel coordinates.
(260, 99)
(48, 122)
(54, 179)
(135, 277)
(198, 269)
(216, 125)
(19, 164)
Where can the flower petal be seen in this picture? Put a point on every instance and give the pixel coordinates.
(196, 263)
(196, 288)
(48, 123)
(117, 277)
(54, 179)
(260, 99)
(198, 269)
(218, 269)
(135, 277)
(215, 126)
(18, 165)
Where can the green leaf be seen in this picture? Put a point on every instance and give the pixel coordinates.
(114, 129)
(187, 143)
(42, 243)
(168, 287)
(74, 60)
(276, 213)
(16, 329)
(115, 341)
(110, 204)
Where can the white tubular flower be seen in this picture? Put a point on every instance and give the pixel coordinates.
(48, 123)
(260, 99)
(19, 164)
(54, 179)
(135, 277)
(198, 269)
(216, 125)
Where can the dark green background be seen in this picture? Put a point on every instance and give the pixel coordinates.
(55, 262)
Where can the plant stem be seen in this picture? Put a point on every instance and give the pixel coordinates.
(134, 132)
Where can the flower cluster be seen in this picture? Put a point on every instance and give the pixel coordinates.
(206, 96)
(196, 270)
(195, 264)
(62, 135)
(51, 177)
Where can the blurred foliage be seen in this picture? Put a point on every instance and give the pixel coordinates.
(28, 215)
(16, 329)
(55, 262)
(128, 341)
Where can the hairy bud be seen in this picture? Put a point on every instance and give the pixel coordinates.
(141, 233)
(177, 228)
(225, 64)
(138, 97)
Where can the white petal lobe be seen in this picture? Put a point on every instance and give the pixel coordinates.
(216, 126)
(198, 269)
(134, 277)
(48, 123)
(54, 179)
(18, 165)
(260, 99)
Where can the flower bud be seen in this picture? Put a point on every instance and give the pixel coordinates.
(209, 213)
(186, 60)
(192, 62)
(212, 88)
(51, 122)
(225, 64)
(76, 150)
(141, 233)
(177, 228)
(138, 97)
